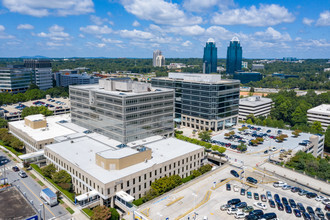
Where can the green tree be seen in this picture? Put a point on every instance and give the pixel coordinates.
(61, 177)
(221, 150)
(195, 173)
(101, 213)
(327, 138)
(114, 214)
(317, 127)
(3, 123)
(33, 110)
(242, 147)
(204, 135)
(17, 144)
(48, 170)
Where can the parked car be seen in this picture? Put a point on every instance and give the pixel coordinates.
(286, 187)
(301, 207)
(326, 201)
(239, 215)
(22, 174)
(328, 215)
(248, 209)
(15, 169)
(249, 195)
(228, 187)
(263, 198)
(233, 201)
(242, 192)
(260, 205)
(234, 173)
(269, 195)
(295, 189)
(271, 203)
(241, 205)
(319, 213)
(279, 184)
(257, 212)
(297, 213)
(235, 188)
(277, 198)
(224, 207)
(280, 206)
(256, 196)
(232, 210)
(302, 192)
(251, 180)
(288, 209)
(320, 198)
(285, 201)
(306, 216)
(269, 216)
(292, 203)
(252, 217)
(310, 210)
(311, 195)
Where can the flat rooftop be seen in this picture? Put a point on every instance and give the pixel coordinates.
(323, 109)
(14, 206)
(81, 152)
(254, 101)
(54, 128)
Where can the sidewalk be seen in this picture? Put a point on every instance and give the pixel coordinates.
(308, 181)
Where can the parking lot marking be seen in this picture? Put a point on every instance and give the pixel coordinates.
(174, 201)
(37, 198)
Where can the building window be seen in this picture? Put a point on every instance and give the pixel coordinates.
(139, 187)
(108, 191)
(128, 183)
(150, 174)
(165, 168)
(182, 161)
(122, 186)
(174, 165)
(178, 163)
(160, 170)
(155, 172)
(145, 185)
(133, 189)
(139, 178)
(133, 181)
(145, 176)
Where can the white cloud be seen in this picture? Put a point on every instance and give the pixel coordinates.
(111, 41)
(3, 35)
(81, 36)
(324, 19)
(218, 32)
(201, 5)
(25, 26)
(272, 35)
(56, 33)
(136, 24)
(186, 30)
(265, 15)
(98, 20)
(41, 8)
(97, 30)
(186, 43)
(314, 43)
(98, 45)
(308, 21)
(136, 34)
(160, 12)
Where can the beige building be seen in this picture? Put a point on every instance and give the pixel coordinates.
(256, 105)
(36, 131)
(107, 167)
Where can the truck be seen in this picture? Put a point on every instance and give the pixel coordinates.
(49, 196)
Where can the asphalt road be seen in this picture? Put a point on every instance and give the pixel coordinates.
(32, 189)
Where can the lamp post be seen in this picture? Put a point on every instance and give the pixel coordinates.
(43, 210)
(195, 195)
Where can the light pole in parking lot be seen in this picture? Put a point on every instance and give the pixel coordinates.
(195, 195)
(43, 211)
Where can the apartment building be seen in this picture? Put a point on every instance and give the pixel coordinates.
(320, 113)
(256, 105)
(202, 101)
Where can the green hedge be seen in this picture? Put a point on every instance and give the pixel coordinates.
(65, 192)
(138, 201)
(187, 179)
(88, 212)
(11, 149)
(70, 210)
(194, 141)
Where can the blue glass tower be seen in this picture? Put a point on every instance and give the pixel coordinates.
(234, 56)
(210, 57)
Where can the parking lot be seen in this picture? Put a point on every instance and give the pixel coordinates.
(203, 197)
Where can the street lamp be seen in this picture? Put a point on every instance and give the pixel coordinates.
(43, 210)
(195, 195)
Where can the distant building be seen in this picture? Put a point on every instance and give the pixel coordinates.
(210, 57)
(72, 78)
(258, 67)
(256, 105)
(155, 55)
(202, 101)
(289, 59)
(326, 69)
(246, 77)
(122, 109)
(234, 56)
(284, 76)
(320, 113)
(244, 64)
(41, 73)
(14, 78)
(176, 66)
(160, 61)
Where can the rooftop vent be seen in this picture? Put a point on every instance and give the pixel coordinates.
(121, 145)
(141, 148)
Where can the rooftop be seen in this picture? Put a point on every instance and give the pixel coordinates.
(81, 152)
(13, 205)
(323, 109)
(254, 101)
(54, 128)
(38, 117)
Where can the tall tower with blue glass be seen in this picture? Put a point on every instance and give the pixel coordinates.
(234, 56)
(210, 57)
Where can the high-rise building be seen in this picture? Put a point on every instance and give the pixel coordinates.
(160, 61)
(122, 109)
(234, 56)
(14, 79)
(210, 57)
(41, 73)
(202, 102)
(155, 55)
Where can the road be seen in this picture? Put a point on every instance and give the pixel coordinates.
(32, 189)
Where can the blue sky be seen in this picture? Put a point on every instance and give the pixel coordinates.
(134, 28)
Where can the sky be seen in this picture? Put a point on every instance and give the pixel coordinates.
(180, 29)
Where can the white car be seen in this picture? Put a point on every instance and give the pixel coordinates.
(260, 205)
(279, 184)
(320, 198)
(286, 187)
(273, 149)
(240, 215)
(232, 210)
(326, 201)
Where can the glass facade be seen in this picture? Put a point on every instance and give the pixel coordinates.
(14, 79)
(120, 117)
(234, 56)
(246, 77)
(210, 57)
(209, 101)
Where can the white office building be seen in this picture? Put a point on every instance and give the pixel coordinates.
(258, 66)
(320, 113)
(256, 105)
(156, 53)
(160, 61)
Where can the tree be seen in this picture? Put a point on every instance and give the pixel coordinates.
(33, 110)
(17, 144)
(3, 123)
(249, 121)
(48, 170)
(317, 127)
(101, 213)
(195, 173)
(61, 177)
(327, 138)
(33, 86)
(221, 150)
(204, 135)
(251, 89)
(296, 133)
(215, 147)
(242, 147)
(114, 214)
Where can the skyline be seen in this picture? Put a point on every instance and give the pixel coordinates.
(135, 28)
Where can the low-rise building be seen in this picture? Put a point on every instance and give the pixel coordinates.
(258, 66)
(256, 105)
(320, 113)
(66, 78)
(246, 77)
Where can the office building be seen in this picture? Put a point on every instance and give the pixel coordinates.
(72, 78)
(284, 76)
(256, 105)
(14, 79)
(258, 66)
(154, 57)
(320, 113)
(234, 56)
(210, 57)
(123, 109)
(244, 64)
(202, 102)
(246, 77)
(289, 59)
(41, 73)
(160, 61)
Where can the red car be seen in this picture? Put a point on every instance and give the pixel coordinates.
(228, 145)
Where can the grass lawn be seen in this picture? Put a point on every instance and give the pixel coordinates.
(88, 211)
(69, 210)
(41, 183)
